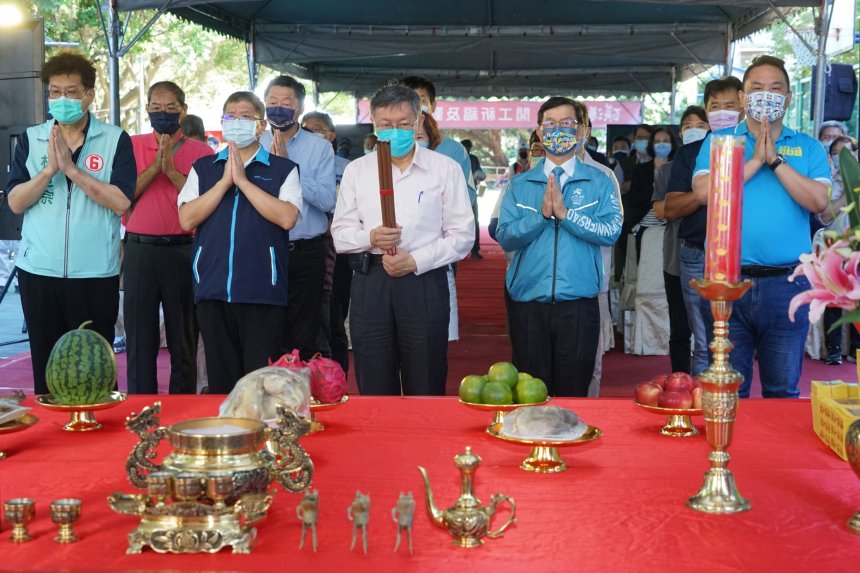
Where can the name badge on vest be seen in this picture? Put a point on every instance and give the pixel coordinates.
(94, 162)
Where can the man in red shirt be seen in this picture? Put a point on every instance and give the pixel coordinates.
(157, 265)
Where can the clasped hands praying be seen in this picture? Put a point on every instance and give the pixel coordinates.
(396, 262)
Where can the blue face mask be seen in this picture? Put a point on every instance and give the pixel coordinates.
(641, 145)
(242, 131)
(402, 140)
(662, 150)
(280, 118)
(163, 122)
(66, 110)
(424, 143)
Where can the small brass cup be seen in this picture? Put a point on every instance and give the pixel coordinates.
(20, 512)
(187, 486)
(219, 486)
(159, 485)
(65, 512)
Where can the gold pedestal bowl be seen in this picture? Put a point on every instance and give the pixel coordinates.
(544, 457)
(678, 422)
(316, 407)
(18, 425)
(81, 418)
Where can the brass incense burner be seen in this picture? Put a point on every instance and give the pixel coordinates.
(468, 521)
(215, 481)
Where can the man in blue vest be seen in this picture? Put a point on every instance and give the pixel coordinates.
(556, 217)
(72, 177)
(786, 177)
(243, 204)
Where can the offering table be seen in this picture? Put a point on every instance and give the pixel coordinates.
(620, 506)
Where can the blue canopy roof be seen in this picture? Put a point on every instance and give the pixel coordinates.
(486, 47)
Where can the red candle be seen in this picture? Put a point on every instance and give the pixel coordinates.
(725, 206)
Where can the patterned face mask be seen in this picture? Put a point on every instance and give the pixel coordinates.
(765, 104)
(559, 141)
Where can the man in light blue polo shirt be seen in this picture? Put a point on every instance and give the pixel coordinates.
(285, 99)
(786, 176)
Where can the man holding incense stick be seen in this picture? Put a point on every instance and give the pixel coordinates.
(399, 302)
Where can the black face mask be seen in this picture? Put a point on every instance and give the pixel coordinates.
(524, 154)
(163, 122)
(619, 155)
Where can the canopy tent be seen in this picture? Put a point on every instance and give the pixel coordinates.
(489, 47)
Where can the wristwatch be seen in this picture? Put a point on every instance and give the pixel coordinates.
(776, 162)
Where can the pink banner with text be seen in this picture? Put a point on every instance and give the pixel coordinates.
(517, 114)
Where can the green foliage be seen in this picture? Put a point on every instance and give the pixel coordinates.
(849, 170)
(200, 61)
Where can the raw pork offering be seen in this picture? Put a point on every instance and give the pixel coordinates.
(543, 423)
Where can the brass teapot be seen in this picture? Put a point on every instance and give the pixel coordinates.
(467, 521)
(253, 453)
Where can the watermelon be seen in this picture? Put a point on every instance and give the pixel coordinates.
(81, 368)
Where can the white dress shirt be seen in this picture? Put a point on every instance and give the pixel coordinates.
(431, 204)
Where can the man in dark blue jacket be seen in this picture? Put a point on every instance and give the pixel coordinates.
(243, 203)
(556, 218)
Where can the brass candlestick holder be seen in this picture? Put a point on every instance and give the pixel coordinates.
(720, 382)
(64, 513)
(20, 512)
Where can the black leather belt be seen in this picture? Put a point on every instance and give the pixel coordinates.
(694, 245)
(163, 240)
(300, 244)
(757, 271)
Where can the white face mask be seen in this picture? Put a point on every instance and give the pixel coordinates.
(693, 134)
(827, 143)
(723, 118)
(425, 108)
(368, 150)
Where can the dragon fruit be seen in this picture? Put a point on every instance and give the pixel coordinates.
(328, 380)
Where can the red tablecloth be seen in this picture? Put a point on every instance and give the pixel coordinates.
(619, 508)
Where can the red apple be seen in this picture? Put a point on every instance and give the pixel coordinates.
(675, 399)
(697, 398)
(679, 381)
(647, 393)
(660, 380)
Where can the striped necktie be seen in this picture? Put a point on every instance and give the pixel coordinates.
(557, 173)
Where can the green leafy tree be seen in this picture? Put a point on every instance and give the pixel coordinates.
(200, 61)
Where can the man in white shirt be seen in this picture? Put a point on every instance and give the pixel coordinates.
(399, 300)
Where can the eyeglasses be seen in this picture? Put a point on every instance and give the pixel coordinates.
(228, 117)
(170, 108)
(71, 93)
(402, 125)
(566, 123)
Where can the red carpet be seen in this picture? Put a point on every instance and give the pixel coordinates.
(483, 341)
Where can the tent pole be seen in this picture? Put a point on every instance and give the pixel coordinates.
(727, 69)
(252, 58)
(822, 27)
(673, 95)
(113, 60)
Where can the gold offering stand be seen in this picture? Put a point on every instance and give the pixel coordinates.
(720, 382)
(544, 457)
(187, 513)
(216, 478)
(316, 407)
(852, 449)
(678, 421)
(499, 410)
(81, 418)
(18, 425)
